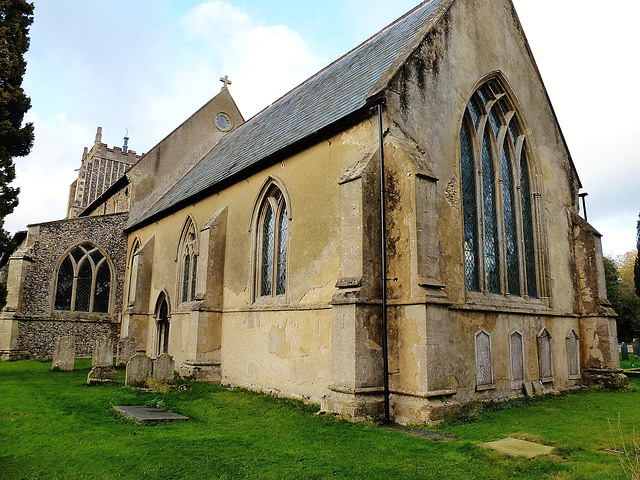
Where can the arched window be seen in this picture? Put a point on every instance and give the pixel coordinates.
(84, 281)
(162, 325)
(134, 266)
(271, 244)
(499, 239)
(188, 261)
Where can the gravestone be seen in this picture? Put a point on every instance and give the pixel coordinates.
(103, 352)
(102, 374)
(125, 350)
(636, 347)
(625, 351)
(64, 354)
(138, 370)
(163, 368)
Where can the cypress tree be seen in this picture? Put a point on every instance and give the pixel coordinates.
(636, 266)
(16, 139)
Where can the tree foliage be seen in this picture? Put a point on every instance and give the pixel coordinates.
(16, 139)
(619, 277)
(636, 268)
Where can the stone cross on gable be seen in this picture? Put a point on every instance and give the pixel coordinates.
(225, 80)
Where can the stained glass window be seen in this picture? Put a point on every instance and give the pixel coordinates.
(84, 281)
(65, 285)
(282, 251)
(186, 277)
(188, 253)
(499, 242)
(470, 210)
(103, 282)
(272, 245)
(194, 275)
(268, 229)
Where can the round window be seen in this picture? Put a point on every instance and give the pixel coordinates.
(223, 122)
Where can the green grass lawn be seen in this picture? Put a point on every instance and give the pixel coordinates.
(54, 426)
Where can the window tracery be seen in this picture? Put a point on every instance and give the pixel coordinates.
(271, 244)
(83, 281)
(188, 262)
(498, 217)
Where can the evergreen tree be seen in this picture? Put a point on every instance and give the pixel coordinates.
(636, 267)
(16, 139)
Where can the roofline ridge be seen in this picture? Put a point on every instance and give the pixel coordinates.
(360, 45)
(411, 46)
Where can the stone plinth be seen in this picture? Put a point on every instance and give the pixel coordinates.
(102, 374)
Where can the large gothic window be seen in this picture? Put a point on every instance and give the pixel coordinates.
(499, 239)
(271, 244)
(84, 281)
(188, 261)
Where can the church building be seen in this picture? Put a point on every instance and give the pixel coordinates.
(397, 236)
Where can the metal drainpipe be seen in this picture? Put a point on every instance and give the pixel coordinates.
(383, 274)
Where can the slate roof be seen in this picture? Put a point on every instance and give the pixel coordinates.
(337, 91)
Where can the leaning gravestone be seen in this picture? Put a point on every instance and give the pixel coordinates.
(103, 352)
(624, 351)
(636, 347)
(125, 350)
(138, 370)
(64, 354)
(163, 368)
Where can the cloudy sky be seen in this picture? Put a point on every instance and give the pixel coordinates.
(151, 63)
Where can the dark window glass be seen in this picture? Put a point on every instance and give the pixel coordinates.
(77, 254)
(103, 284)
(510, 228)
(185, 278)
(470, 209)
(64, 289)
(83, 286)
(492, 265)
(527, 226)
(268, 234)
(282, 251)
(96, 256)
(194, 276)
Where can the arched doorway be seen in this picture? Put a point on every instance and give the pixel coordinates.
(162, 322)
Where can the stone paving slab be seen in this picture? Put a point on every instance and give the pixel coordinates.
(144, 414)
(518, 448)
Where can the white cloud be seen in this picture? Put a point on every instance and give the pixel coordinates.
(263, 61)
(45, 175)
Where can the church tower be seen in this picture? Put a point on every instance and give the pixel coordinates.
(101, 167)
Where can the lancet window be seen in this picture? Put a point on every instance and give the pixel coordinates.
(188, 262)
(497, 194)
(271, 244)
(83, 281)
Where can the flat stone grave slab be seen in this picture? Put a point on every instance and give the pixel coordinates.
(518, 448)
(144, 414)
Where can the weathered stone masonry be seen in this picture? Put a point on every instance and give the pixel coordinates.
(38, 324)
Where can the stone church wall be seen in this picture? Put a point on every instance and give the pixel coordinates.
(38, 323)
